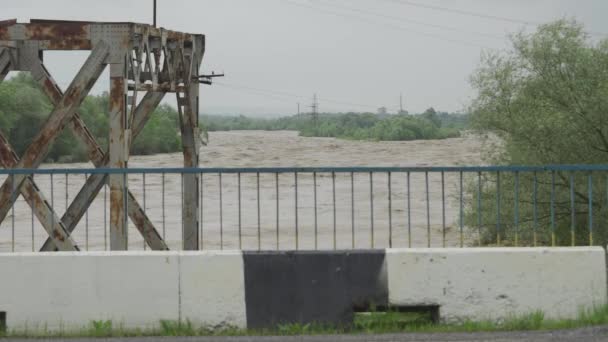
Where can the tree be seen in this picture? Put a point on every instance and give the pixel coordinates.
(24, 109)
(547, 101)
(431, 115)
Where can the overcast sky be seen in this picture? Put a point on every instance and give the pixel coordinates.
(357, 55)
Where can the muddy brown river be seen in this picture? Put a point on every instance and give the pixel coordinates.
(372, 225)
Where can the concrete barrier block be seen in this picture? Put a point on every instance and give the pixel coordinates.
(493, 283)
(69, 290)
(212, 289)
(312, 286)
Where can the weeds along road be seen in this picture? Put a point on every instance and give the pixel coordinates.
(590, 334)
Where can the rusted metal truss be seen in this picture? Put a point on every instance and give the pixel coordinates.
(141, 58)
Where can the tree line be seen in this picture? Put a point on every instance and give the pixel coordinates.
(24, 109)
(358, 126)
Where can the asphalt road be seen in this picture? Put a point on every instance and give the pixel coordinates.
(585, 334)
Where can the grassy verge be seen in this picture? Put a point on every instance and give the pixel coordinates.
(366, 323)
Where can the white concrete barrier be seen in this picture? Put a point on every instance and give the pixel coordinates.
(493, 283)
(133, 289)
(213, 289)
(53, 291)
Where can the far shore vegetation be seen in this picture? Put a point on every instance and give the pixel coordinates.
(24, 109)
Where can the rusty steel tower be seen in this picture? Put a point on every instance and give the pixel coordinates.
(140, 58)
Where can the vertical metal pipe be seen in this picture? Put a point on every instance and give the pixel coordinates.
(259, 211)
(443, 228)
(66, 194)
(535, 208)
(371, 206)
(552, 208)
(314, 185)
(352, 208)
(13, 212)
(201, 201)
(572, 214)
(238, 175)
(276, 182)
(86, 220)
(333, 189)
(163, 205)
(105, 216)
(32, 219)
(590, 195)
(479, 208)
(296, 207)
(66, 191)
(125, 201)
(516, 209)
(144, 193)
(181, 186)
(154, 14)
(409, 213)
(428, 210)
(52, 201)
(390, 212)
(221, 212)
(498, 208)
(461, 212)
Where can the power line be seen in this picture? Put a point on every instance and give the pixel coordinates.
(478, 15)
(442, 27)
(257, 93)
(400, 28)
(284, 96)
(260, 90)
(463, 12)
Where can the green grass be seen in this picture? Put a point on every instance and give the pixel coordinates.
(366, 323)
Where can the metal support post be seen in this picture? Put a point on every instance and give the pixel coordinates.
(118, 156)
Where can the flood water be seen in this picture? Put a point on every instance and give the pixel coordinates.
(371, 225)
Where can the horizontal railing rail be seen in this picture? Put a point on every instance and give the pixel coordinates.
(334, 207)
(357, 169)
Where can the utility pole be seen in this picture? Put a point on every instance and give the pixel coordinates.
(298, 108)
(154, 14)
(315, 110)
(400, 103)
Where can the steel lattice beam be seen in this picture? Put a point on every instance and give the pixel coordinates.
(141, 58)
(30, 192)
(5, 61)
(35, 199)
(70, 219)
(38, 149)
(95, 182)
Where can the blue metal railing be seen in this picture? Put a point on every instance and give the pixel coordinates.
(356, 169)
(341, 207)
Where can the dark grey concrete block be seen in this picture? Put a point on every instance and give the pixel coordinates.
(306, 287)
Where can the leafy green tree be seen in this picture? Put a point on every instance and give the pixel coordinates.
(24, 109)
(431, 115)
(547, 101)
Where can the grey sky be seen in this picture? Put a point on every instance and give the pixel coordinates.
(357, 55)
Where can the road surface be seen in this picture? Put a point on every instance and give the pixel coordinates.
(591, 334)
